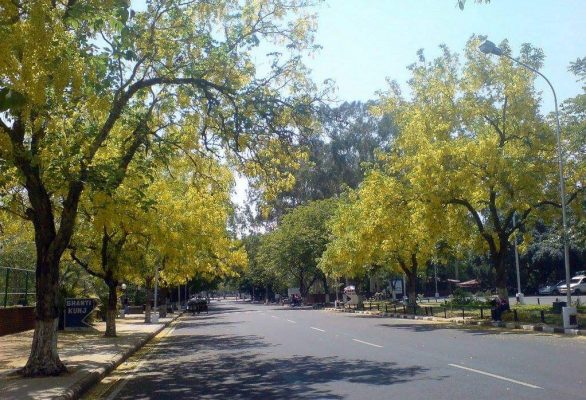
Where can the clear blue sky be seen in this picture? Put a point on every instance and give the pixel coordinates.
(365, 41)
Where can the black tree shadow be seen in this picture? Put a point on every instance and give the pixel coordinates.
(470, 329)
(224, 367)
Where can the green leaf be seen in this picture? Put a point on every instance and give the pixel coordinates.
(11, 100)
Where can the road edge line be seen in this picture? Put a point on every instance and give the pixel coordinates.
(504, 378)
(367, 343)
(76, 390)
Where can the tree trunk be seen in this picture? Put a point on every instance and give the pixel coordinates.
(44, 359)
(149, 297)
(303, 290)
(411, 274)
(393, 293)
(112, 309)
(412, 288)
(50, 245)
(500, 268)
(164, 293)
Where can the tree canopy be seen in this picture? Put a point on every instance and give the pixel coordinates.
(293, 249)
(476, 140)
(86, 85)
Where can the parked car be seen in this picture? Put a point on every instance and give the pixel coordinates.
(577, 285)
(197, 305)
(551, 289)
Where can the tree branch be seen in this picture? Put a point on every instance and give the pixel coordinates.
(497, 129)
(476, 218)
(122, 100)
(494, 211)
(83, 264)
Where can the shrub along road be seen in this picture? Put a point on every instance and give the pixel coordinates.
(254, 351)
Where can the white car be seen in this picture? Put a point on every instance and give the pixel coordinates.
(577, 285)
(551, 289)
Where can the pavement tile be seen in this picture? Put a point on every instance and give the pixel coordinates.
(87, 354)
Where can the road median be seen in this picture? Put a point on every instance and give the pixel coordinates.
(465, 322)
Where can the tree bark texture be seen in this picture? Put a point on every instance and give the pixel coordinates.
(149, 298)
(44, 359)
(50, 245)
(164, 296)
(500, 268)
(112, 309)
(411, 274)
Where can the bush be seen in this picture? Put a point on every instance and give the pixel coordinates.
(460, 297)
(486, 295)
(507, 316)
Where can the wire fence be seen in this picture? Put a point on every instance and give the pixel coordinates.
(17, 286)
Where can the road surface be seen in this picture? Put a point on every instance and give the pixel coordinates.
(246, 351)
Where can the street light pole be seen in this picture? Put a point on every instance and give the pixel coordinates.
(123, 299)
(489, 47)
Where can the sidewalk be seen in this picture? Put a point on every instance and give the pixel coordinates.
(88, 356)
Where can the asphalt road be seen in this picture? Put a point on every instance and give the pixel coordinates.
(245, 351)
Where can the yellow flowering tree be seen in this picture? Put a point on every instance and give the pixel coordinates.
(84, 85)
(175, 222)
(475, 140)
(386, 224)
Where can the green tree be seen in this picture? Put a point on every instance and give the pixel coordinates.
(257, 274)
(573, 121)
(293, 249)
(349, 136)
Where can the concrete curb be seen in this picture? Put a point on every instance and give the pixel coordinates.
(88, 380)
(495, 324)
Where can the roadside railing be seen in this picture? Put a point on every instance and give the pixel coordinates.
(17, 285)
(530, 314)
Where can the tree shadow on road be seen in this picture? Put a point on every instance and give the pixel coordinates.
(219, 367)
(189, 344)
(224, 309)
(204, 323)
(429, 327)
